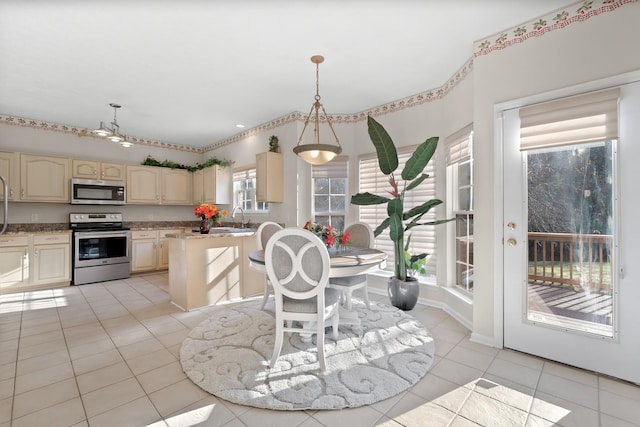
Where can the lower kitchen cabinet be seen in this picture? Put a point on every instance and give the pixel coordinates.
(150, 250)
(51, 259)
(14, 263)
(34, 260)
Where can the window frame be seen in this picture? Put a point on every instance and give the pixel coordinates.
(338, 168)
(242, 175)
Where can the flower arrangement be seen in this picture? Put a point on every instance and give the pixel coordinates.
(328, 235)
(209, 212)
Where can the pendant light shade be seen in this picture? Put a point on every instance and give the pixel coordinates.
(317, 153)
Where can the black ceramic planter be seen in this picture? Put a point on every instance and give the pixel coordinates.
(403, 295)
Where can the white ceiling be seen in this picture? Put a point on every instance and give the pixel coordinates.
(186, 72)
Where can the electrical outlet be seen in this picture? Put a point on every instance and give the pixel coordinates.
(34, 217)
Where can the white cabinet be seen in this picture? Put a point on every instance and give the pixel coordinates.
(14, 262)
(269, 177)
(144, 250)
(91, 169)
(8, 169)
(150, 250)
(44, 178)
(151, 185)
(163, 248)
(34, 260)
(143, 185)
(176, 187)
(212, 185)
(51, 258)
(197, 187)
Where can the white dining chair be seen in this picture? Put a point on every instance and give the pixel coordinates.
(298, 266)
(361, 237)
(263, 234)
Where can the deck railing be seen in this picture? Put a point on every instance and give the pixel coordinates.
(582, 260)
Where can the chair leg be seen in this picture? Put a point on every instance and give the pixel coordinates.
(366, 297)
(349, 296)
(265, 298)
(277, 346)
(335, 324)
(320, 339)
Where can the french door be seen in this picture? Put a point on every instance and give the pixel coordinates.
(571, 253)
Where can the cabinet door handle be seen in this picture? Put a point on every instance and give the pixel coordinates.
(11, 192)
(35, 252)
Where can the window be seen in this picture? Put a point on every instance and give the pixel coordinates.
(460, 203)
(330, 193)
(423, 238)
(244, 191)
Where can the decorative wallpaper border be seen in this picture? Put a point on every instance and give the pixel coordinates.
(577, 12)
(82, 132)
(537, 27)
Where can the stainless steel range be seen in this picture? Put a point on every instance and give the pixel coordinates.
(100, 247)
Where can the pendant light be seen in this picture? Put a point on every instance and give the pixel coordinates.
(317, 153)
(113, 133)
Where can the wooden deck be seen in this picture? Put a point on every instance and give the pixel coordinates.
(565, 301)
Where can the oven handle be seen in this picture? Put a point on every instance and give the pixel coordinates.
(101, 234)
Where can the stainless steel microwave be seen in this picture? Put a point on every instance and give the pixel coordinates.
(97, 192)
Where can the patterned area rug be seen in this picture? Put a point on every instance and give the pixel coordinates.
(228, 356)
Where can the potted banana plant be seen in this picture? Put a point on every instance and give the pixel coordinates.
(403, 289)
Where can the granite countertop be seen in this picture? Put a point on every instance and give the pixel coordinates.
(216, 232)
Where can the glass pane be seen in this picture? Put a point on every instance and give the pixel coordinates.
(321, 186)
(464, 174)
(322, 219)
(464, 276)
(337, 222)
(464, 199)
(338, 204)
(321, 203)
(338, 185)
(571, 223)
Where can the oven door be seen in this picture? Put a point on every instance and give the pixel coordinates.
(100, 247)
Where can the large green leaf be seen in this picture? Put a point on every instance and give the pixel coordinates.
(419, 159)
(379, 229)
(385, 149)
(396, 231)
(368, 199)
(417, 182)
(421, 209)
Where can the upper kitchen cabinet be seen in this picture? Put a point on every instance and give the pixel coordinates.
(212, 185)
(269, 177)
(144, 185)
(90, 169)
(44, 178)
(176, 187)
(9, 171)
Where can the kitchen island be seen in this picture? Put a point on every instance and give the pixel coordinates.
(206, 269)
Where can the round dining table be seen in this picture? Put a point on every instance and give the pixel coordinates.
(350, 261)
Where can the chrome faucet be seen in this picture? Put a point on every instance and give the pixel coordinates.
(233, 214)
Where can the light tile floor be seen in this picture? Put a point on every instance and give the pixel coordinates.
(108, 355)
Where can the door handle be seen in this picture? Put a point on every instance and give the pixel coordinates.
(512, 242)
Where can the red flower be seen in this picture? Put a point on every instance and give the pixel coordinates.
(344, 239)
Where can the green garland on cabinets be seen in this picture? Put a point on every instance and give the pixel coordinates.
(150, 161)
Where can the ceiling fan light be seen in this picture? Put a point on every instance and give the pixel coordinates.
(126, 144)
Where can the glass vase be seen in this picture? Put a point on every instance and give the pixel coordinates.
(204, 226)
